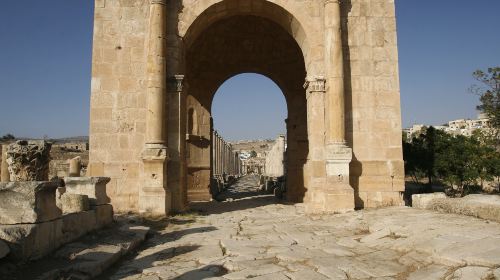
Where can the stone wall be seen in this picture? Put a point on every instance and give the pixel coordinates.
(118, 97)
(35, 219)
(373, 116)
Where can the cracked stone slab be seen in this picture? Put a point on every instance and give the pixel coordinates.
(276, 241)
(28, 202)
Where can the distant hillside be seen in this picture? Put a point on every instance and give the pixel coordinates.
(71, 139)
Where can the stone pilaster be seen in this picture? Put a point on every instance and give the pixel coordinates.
(340, 195)
(328, 164)
(315, 178)
(154, 197)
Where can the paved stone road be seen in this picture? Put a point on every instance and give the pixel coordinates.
(255, 237)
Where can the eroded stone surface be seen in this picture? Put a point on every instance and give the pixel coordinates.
(74, 203)
(104, 214)
(255, 237)
(422, 201)
(84, 259)
(32, 241)
(28, 202)
(29, 160)
(476, 205)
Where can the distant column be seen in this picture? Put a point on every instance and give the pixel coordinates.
(5, 168)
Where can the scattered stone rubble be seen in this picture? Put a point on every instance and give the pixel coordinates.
(38, 216)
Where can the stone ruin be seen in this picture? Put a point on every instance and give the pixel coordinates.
(28, 160)
(274, 178)
(37, 215)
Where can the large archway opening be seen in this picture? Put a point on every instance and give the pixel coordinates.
(249, 106)
(242, 43)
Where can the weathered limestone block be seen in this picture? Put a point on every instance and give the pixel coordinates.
(29, 160)
(28, 202)
(104, 215)
(4, 249)
(93, 187)
(422, 201)
(32, 241)
(476, 205)
(76, 225)
(74, 203)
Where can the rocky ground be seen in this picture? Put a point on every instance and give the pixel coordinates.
(251, 235)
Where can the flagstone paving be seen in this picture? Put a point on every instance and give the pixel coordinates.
(255, 236)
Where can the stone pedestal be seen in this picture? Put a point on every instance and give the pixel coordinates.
(154, 197)
(335, 195)
(93, 187)
(28, 202)
(340, 195)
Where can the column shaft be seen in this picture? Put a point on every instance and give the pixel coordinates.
(154, 196)
(156, 73)
(334, 64)
(5, 176)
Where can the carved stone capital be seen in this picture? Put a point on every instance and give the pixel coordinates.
(316, 84)
(176, 83)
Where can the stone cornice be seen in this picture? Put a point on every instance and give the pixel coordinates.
(159, 2)
(332, 2)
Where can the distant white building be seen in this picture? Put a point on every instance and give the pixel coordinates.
(463, 127)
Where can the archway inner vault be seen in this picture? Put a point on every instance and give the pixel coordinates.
(234, 45)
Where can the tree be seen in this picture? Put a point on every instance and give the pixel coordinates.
(489, 96)
(8, 136)
(253, 154)
(420, 155)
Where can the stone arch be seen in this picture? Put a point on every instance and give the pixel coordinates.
(241, 43)
(347, 48)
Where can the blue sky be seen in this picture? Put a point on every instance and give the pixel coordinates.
(45, 56)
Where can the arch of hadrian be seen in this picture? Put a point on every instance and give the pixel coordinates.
(158, 63)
